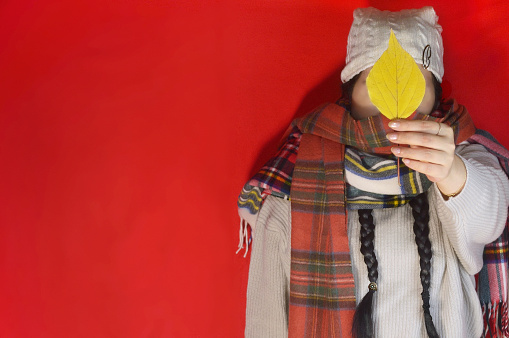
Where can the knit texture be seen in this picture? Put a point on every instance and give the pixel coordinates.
(268, 287)
(417, 30)
(457, 238)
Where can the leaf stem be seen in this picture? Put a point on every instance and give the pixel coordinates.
(399, 181)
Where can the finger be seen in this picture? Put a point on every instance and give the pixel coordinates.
(423, 154)
(434, 171)
(422, 140)
(429, 127)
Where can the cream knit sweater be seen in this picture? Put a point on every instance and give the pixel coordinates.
(459, 229)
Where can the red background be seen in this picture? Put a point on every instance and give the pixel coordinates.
(127, 129)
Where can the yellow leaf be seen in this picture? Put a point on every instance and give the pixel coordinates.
(395, 83)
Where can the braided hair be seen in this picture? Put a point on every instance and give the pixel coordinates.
(363, 322)
(420, 211)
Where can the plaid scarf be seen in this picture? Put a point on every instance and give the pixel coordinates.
(373, 181)
(311, 162)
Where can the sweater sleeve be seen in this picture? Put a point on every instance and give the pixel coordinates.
(268, 285)
(478, 214)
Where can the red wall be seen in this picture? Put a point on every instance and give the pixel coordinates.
(127, 129)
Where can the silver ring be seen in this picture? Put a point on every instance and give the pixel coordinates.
(439, 128)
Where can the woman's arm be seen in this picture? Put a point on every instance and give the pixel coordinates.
(470, 186)
(478, 214)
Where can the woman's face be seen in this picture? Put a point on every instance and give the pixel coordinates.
(362, 107)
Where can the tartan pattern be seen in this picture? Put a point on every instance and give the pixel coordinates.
(321, 288)
(322, 301)
(492, 280)
(319, 264)
(274, 178)
(276, 175)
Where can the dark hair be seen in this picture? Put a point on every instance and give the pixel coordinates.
(438, 92)
(347, 90)
(420, 211)
(363, 321)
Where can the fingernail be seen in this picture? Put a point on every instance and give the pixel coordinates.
(396, 150)
(394, 124)
(406, 160)
(392, 137)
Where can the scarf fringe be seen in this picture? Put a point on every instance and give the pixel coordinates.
(244, 237)
(495, 320)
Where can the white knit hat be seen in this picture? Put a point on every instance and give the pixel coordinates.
(417, 31)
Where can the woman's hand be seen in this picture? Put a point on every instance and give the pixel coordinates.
(431, 152)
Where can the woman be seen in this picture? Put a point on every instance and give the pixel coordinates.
(346, 244)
